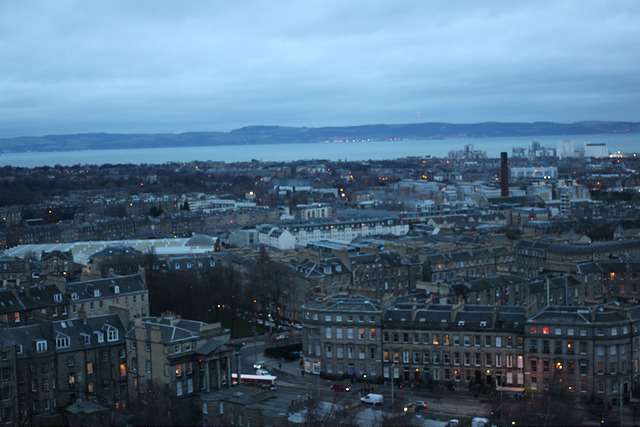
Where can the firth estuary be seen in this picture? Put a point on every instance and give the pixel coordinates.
(351, 151)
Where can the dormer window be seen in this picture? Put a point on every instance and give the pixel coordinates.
(96, 293)
(41, 346)
(100, 336)
(112, 334)
(86, 339)
(62, 341)
(19, 348)
(57, 297)
(74, 296)
(116, 289)
(483, 324)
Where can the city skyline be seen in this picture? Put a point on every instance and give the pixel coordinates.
(166, 67)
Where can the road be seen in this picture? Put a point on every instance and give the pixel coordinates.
(441, 406)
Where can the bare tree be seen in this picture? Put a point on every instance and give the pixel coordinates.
(156, 404)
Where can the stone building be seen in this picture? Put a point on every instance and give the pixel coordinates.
(536, 257)
(37, 396)
(448, 266)
(57, 263)
(589, 349)
(591, 352)
(341, 337)
(96, 296)
(190, 356)
(454, 346)
(8, 382)
(91, 360)
(493, 289)
(611, 279)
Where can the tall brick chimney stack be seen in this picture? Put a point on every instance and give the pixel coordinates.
(504, 175)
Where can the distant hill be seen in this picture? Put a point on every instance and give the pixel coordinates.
(283, 135)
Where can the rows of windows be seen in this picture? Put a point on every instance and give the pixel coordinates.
(344, 352)
(350, 333)
(341, 318)
(486, 360)
(466, 340)
(558, 330)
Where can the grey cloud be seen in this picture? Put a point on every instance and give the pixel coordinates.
(156, 66)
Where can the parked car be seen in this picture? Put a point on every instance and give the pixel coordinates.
(262, 372)
(340, 387)
(261, 364)
(281, 337)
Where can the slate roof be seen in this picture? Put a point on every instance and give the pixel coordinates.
(610, 266)
(172, 330)
(186, 262)
(437, 315)
(354, 304)
(9, 302)
(515, 200)
(85, 407)
(209, 347)
(539, 284)
(84, 333)
(6, 340)
(126, 285)
(42, 296)
(325, 267)
(573, 317)
(488, 282)
(27, 337)
(595, 247)
(273, 405)
(534, 245)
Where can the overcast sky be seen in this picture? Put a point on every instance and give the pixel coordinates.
(177, 66)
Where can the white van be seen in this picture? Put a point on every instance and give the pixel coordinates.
(374, 399)
(479, 422)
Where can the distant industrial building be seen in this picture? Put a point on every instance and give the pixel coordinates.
(598, 150)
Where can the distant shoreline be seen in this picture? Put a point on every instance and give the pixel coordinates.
(261, 135)
(339, 151)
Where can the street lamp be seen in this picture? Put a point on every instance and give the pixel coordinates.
(392, 389)
(317, 365)
(255, 343)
